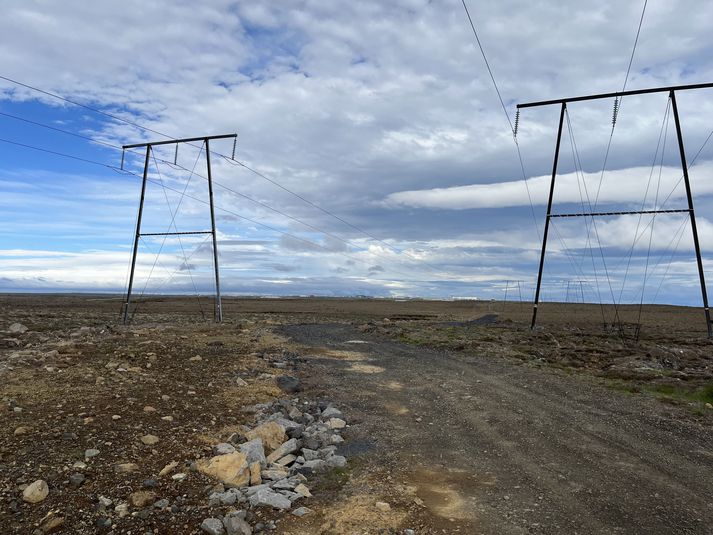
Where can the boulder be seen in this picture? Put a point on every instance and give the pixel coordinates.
(272, 435)
(232, 469)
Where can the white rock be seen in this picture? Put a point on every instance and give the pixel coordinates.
(36, 492)
(269, 498)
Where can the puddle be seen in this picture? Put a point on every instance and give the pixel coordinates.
(442, 492)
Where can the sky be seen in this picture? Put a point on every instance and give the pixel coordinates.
(373, 155)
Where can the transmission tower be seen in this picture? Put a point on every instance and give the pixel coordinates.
(671, 90)
(218, 309)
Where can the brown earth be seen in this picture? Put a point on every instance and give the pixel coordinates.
(461, 426)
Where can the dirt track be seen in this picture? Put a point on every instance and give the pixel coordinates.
(497, 446)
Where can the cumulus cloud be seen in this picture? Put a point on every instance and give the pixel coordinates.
(380, 112)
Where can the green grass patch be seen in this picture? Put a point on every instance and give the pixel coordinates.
(700, 395)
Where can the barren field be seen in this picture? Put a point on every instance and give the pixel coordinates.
(459, 419)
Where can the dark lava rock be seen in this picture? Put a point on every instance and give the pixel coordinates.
(288, 383)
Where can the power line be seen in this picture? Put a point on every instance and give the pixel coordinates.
(507, 116)
(226, 210)
(219, 184)
(633, 50)
(236, 162)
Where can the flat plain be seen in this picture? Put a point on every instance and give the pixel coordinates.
(461, 418)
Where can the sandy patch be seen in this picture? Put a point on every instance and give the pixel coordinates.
(364, 368)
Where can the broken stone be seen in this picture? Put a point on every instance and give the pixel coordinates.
(336, 423)
(383, 507)
(255, 473)
(231, 469)
(213, 526)
(271, 433)
(274, 474)
(168, 468)
(284, 449)
(269, 498)
(223, 448)
(336, 461)
(303, 490)
(288, 383)
(331, 412)
(254, 451)
(286, 460)
(235, 524)
(51, 523)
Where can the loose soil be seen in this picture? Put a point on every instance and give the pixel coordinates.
(463, 419)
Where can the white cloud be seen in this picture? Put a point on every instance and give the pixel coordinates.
(619, 186)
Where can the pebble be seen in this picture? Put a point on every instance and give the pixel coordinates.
(22, 430)
(302, 511)
(36, 492)
(126, 468)
(103, 523)
(383, 506)
(141, 498)
(149, 483)
(213, 526)
(17, 328)
(91, 452)
(168, 468)
(122, 510)
(149, 440)
(179, 477)
(149, 408)
(76, 480)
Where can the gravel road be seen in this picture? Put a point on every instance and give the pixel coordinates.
(496, 446)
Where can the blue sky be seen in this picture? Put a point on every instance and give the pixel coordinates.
(381, 113)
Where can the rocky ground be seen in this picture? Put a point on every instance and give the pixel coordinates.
(350, 416)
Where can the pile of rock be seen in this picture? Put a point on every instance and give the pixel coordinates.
(268, 465)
